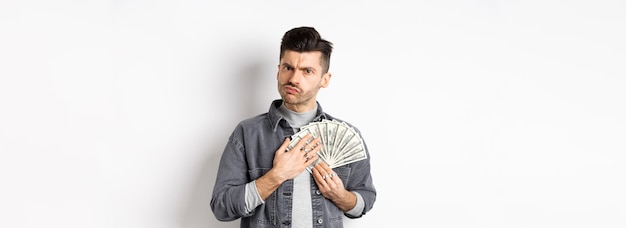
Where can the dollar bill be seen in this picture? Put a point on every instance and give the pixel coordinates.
(340, 143)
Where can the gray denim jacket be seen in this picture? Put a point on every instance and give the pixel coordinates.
(249, 154)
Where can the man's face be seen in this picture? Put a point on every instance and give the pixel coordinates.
(300, 77)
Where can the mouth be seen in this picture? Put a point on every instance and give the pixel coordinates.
(291, 89)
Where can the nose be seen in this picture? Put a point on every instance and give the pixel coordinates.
(296, 76)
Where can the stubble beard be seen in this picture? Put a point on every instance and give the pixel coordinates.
(297, 99)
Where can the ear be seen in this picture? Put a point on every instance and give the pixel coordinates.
(325, 79)
(277, 71)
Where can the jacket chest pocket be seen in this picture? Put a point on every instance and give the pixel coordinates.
(343, 172)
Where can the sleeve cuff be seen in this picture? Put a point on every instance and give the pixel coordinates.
(253, 199)
(357, 210)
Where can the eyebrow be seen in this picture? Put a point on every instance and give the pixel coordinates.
(301, 68)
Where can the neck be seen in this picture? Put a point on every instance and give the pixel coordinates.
(296, 119)
(300, 107)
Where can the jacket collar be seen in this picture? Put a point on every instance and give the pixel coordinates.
(275, 117)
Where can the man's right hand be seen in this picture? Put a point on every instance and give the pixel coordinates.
(288, 164)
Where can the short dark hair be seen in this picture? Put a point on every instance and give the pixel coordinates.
(307, 39)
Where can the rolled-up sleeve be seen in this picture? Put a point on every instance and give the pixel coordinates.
(361, 182)
(228, 199)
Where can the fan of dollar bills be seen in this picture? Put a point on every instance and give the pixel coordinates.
(342, 144)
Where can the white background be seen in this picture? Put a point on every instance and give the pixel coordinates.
(477, 113)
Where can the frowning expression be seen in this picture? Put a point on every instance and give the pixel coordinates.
(300, 78)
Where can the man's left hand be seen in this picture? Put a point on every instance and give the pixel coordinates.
(332, 188)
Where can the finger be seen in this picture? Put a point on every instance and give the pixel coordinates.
(333, 179)
(307, 157)
(330, 182)
(303, 142)
(317, 176)
(316, 144)
(283, 147)
(312, 146)
(311, 157)
(324, 166)
(327, 173)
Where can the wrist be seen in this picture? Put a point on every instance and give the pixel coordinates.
(274, 177)
(349, 201)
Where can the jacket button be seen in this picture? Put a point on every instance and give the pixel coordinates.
(320, 221)
(317, 192)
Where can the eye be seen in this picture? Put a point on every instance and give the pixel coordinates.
(286, 67)
(308, 71)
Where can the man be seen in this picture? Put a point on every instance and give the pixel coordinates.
(264, 183)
